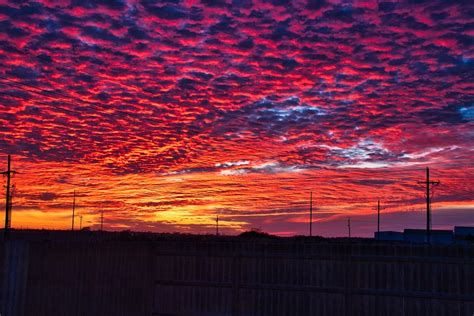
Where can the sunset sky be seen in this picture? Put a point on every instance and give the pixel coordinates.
(163, 114)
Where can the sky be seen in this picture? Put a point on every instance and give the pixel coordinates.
(166, 114)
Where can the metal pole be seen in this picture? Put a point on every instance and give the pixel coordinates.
(429, 186)
(73, 209)
(349, 226)
(7, 199)
(378, 217)
(12, 190)
(428, 215)
(311, 214)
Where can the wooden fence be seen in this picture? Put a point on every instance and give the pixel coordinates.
(221, 277)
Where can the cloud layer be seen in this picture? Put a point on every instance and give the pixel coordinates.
(165, 113)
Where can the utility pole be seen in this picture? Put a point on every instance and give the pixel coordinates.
(73, 208)
(12, 190)
(378, 217)
(8, 173)
(80, 225)
(101, 220)
(349, 226)
(311, 214)
(429, 189)
(217, 225)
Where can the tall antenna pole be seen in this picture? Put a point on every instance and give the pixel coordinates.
(311, 214)
(217, 225)
(349, 226)
(101, 220)
(428, 206)
(378, 208)
(73, 208)
(7, 173)
(429, 187)
(378, 217)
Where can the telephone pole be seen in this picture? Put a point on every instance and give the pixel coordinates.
(101, 220)
(349, 226)
(8, 208)
(378, 216)
(12, 190)
(428, 185)
(217, 225)
(311, 214)
(80, 223)
(73, 208)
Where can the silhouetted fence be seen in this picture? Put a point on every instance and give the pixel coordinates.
(237, 277)
(313, 279)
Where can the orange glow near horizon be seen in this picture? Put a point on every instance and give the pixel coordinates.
(243, 198)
